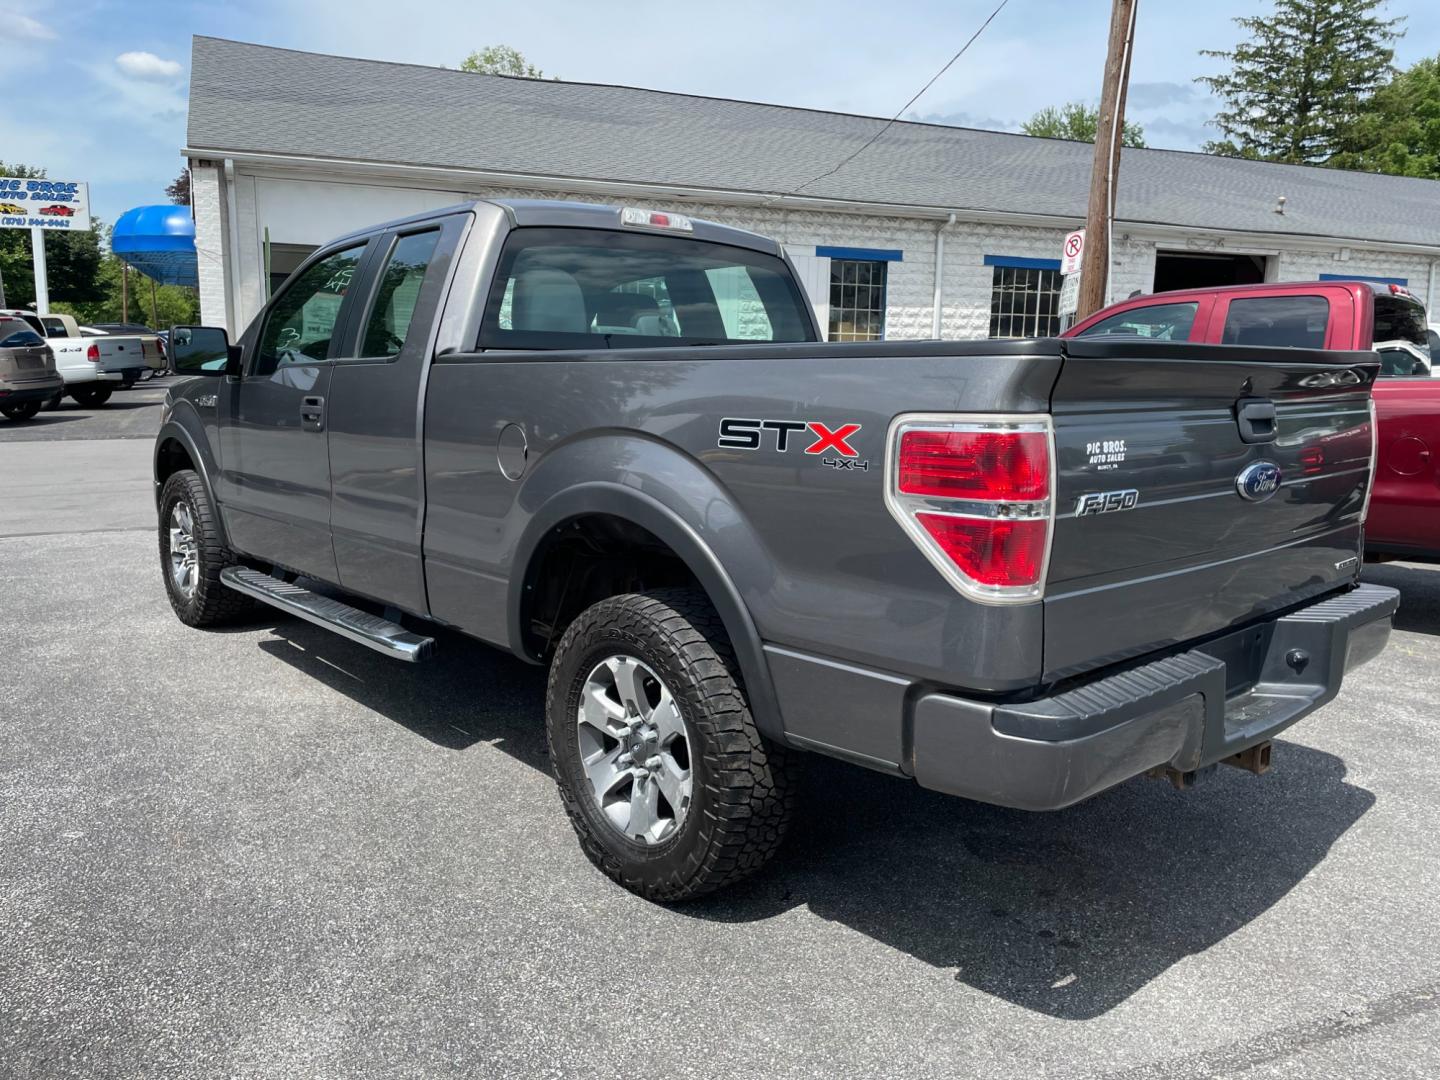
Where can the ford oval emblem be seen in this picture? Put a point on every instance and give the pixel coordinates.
(1258, 481)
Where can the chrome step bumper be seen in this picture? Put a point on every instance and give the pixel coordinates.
(382, 635)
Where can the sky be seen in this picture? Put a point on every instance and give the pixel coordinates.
(96, 89)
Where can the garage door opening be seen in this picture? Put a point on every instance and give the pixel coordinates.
(1196, 270)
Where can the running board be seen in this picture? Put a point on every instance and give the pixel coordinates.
(382, 635)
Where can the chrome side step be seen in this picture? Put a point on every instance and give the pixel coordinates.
(382, 635)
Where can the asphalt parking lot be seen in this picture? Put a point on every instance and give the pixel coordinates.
(270, 853)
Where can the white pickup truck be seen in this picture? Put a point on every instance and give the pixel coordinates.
(93, 367)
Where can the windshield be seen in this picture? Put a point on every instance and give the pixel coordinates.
(597, 288)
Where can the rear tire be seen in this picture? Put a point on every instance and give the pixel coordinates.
(91, 397)
(53, 403)
(27, 411)
(192, 555)
(738, 788)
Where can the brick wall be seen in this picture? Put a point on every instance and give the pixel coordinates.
(207, 199)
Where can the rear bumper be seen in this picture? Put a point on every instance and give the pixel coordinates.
(125, 377)
(1186, 711)
(38, 390)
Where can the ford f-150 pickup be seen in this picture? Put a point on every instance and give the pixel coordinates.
(610, 440)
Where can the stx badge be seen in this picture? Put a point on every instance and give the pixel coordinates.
(743, 434)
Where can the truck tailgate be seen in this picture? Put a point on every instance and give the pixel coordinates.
(119, 353)
(1155, 543)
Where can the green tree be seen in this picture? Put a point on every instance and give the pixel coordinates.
(174, 304)
(72, 259)
(1398, 130)
(1076, 120)
(1301, 79)
(501, 60)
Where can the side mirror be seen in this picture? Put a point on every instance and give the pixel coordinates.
(201, 350)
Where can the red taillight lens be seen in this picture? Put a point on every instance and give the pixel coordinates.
(1010, 554)
(1006, 466)
(93, 354)
(974, 492)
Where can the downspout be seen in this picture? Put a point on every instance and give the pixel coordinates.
(1430, 293)
(232, 254)
(940, 276)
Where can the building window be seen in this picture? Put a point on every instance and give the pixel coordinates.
(1024, 297)
(857, 300)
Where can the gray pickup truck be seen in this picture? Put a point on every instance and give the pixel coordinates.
(610, 440)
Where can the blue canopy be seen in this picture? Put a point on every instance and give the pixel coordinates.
(159, 241)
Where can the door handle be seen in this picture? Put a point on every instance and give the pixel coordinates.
(1255, 417)
(312, 413)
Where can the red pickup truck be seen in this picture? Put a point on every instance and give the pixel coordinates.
(1405, 501)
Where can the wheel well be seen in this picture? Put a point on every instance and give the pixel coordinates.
(584, 560)
(170, 459)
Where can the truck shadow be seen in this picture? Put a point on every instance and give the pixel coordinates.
(1419, 587)
(1068, 914)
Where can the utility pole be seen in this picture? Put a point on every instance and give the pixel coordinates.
(1105, 166)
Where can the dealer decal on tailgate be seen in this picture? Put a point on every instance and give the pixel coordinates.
(814, 437)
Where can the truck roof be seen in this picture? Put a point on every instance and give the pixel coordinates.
(556, 213)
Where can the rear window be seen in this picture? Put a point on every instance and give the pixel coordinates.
(14, 334)
(593, 288)
(1296, 322)
(1158, 322)
(1398, 318)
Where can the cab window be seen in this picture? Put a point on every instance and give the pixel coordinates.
(301, 321)
(1157, 322)
(1296, 322)
(562, 288)
(55, 328)
(397, 293)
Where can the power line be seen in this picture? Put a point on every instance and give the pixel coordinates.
(918, 95)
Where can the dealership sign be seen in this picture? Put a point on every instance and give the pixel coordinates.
(44, 204)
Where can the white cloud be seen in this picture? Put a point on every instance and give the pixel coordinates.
(146, 65)
(27, 29)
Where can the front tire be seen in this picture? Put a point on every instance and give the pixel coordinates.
(28, 411)
(192, 555)
(91, 397)
(670, 787)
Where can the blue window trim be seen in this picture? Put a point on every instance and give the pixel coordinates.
(862, 254)
(1014, 262)
(1366, 277)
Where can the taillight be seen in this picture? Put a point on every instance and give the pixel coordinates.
(93, 354)
(975, 493)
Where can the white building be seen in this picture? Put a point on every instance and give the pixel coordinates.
(931, 231)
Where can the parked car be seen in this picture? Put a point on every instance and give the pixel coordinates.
(27, 370)
(152, 341)
(1404, 513)
(611, 440)
(92, 367)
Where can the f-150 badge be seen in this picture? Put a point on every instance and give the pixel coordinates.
(1106, 502)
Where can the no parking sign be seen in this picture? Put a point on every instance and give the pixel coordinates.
(1072, 253)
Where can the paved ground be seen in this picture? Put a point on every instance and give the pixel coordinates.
(268, 853)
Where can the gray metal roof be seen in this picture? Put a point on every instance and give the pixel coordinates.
(254, 98)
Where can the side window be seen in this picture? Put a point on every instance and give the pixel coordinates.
(1296, 322)
(55, 328)
(301, 320)
(397, 293)
(1158, 322)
